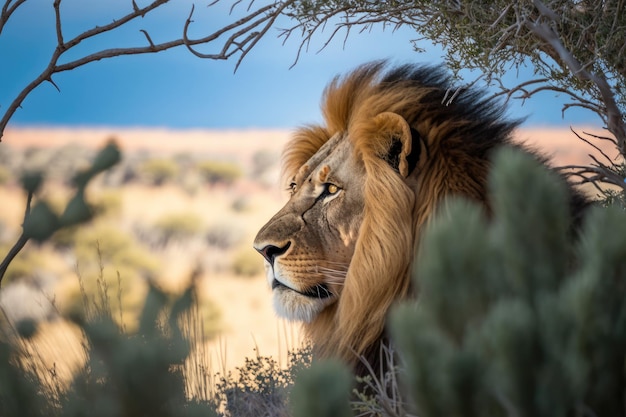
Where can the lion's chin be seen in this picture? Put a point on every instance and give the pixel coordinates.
(297, 307)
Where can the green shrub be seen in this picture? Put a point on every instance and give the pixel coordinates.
(509, 323)
(247, 263)
(261, 386)
(177, 226)
(159, 171)
(241, 204)
(321, 391)
(223, 235)
(126, 374)
(107, 203)
(218, 172)
(109, 260)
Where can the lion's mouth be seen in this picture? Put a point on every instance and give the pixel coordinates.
(319, 291)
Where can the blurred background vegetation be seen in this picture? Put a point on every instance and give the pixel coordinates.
(154, 220)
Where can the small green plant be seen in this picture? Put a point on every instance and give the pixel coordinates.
(126, 374)
(107, 203)
(322, 390)
(159, 171)
(178, 226)
(218, 172)
(261, 386)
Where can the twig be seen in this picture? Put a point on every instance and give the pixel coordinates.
(19, 245)
(545, 32)
(7, 11)
(243, 40)
(594, 146)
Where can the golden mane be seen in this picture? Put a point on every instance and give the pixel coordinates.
(456, 137)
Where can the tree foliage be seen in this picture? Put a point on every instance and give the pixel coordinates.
(575, 46)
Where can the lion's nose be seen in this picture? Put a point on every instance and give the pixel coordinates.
(271, 252)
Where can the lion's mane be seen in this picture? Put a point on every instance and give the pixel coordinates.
(458, 129)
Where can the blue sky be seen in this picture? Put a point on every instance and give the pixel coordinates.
(178, 90)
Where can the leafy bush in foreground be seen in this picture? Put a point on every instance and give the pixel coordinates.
(138, 374)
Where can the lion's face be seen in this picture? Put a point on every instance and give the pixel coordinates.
(309, 243)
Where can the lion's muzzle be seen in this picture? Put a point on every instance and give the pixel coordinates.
(271, 252)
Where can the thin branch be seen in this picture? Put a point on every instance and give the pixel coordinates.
(615, 120)
(115, 24)
(19, 245)
(243, 41)
(57, 23)
(145, 32)
(271, 11)
(596, 173)
(7, 11)
(597, 148)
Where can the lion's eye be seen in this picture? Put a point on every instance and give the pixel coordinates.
(292, 187)
(329, 189)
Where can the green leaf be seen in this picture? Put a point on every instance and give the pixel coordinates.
(41, 222)
(76, 211)
(323, 390)
(31, 181)
(106, 158)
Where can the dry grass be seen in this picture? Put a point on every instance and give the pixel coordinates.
(248, 321)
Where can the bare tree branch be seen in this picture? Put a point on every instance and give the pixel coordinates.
(245, 34)
(615, 122)
(7, 11)
(19, 244)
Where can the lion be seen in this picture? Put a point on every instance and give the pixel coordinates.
(363, 185)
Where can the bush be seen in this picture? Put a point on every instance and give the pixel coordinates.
(159, 171)
(241, 205)
(247, 263)
(110, 261)
(217, 172)
(261, 387)
(178, 226)
(107, 203)
(223, 235)
(125, 374)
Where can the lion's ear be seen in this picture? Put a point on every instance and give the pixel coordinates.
(403, 143)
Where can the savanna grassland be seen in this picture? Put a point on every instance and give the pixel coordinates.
(181, 209)
(180, 206)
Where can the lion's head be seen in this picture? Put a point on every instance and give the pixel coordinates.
(363, 184)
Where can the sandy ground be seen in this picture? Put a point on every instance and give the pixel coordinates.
(250, 325)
